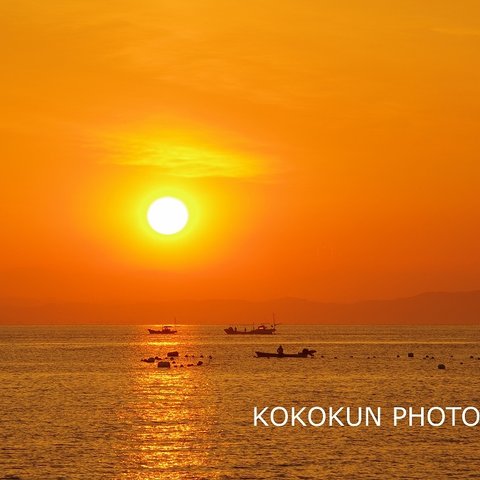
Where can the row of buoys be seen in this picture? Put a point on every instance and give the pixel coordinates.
(176, 354)
(169, 365)
(410, 355)
(440, 366)
(170, 360)
(170, 357)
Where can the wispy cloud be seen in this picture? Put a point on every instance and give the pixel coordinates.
(183, 154)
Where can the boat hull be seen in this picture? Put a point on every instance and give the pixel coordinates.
(263, 331)
(161, 332)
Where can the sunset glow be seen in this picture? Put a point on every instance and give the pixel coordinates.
(324, 152)
(239, 239)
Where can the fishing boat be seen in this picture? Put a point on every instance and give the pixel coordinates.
(166, 330)
(303, 354)
(260, 330)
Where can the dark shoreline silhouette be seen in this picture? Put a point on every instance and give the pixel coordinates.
(443, 308)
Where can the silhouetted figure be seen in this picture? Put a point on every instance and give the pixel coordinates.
(280, 350)
(235, 329)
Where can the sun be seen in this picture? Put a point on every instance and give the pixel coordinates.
(167, 215)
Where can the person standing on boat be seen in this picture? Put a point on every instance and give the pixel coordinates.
(280, 350)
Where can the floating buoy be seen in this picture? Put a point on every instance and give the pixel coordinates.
(199, 363)
(410, 355)
(148, 360)
(441, 366)
(163, 365)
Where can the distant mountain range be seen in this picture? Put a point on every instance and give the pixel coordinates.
(457, 308)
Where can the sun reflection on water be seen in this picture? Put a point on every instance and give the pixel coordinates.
(171, 420)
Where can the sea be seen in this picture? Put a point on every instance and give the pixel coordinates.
(77, 402)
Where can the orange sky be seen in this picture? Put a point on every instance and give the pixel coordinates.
(326, 150)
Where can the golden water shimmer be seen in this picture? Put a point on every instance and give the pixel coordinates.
(77, 403)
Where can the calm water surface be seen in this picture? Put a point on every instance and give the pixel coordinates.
(77, 403)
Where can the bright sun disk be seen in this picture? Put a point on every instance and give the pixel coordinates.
(167, 215)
